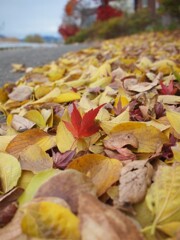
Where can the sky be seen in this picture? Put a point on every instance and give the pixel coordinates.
(18, 18)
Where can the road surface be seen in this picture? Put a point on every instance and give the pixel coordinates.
(30, 57)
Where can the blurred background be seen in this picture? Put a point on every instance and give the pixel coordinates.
(24, 22)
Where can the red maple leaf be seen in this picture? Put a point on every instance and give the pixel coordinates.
(83, 126)
(168, 90)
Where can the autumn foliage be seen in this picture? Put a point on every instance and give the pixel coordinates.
(90, 144)
(103, 12)
(106, 12)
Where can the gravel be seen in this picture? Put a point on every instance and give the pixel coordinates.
(31, 57)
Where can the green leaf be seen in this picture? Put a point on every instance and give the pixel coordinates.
(10, 171)
(35, 183)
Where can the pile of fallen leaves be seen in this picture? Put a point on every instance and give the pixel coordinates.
(90, 144)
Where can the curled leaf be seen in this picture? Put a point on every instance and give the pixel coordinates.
(20, 93)
(135, 178)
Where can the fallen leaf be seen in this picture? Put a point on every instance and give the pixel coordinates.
(83, 126)
(61, 160)
(174, 119)
(35, 183)
(36, 117)
(143, 134)
(18, 67)
(176, 152)
(169, 99)
(20, 93)
(143, 86)
(33, 158)
(4, 141)
(67, 185)
(67, 97)
(49, 220)
(10, 197)
(20, 123)
(120, 140)
(169, 89)
(100, 221)
(30, 137)
(135, 178)
(163, 201)
(7, 213)
(102, 170)
(10, 171)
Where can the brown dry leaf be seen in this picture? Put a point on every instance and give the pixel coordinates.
(120, 140)
(13, 231)
(20, 123)
(135, 178)
(99, 221)
(34, 159)
(143, 86)
(67, 185)
(149, 138)
(30, 137)
(7, 213)
(169, 99)
(20, 93)
(10, 196)
(102, 170)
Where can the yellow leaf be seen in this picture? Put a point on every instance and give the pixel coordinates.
(163, 200)
(107, 126)
(50, 220)
(34, 159)
(64, 139)
(30, 137)
(176, 152)
(36, 117)
(55, 75)
(3, 96)
(41, 91)
(102, 170)
(149, 138)
(164, 66)
(174, 119)
(48, 97)
(10, 171)
(123, 99)
(67, 97)
(4, 141)
(103, 81)
(25, 179)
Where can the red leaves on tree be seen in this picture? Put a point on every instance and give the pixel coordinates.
(68, 30)
(105, 12)
(168, 90)
(70, 7)
(83, 126)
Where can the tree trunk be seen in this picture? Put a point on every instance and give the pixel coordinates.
(152, 6)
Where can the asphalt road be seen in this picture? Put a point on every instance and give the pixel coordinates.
(30, 57)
